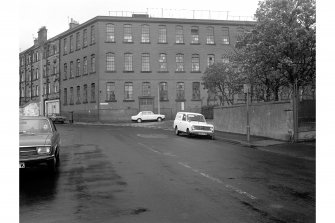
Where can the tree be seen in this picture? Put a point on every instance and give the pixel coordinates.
(224, 81)
(281, 48)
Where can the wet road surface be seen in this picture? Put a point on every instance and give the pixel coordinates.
(127, 174)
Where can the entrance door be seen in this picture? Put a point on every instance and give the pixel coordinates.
(146, 104)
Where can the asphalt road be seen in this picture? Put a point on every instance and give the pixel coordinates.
(128, 174)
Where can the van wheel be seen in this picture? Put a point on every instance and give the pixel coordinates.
(176, 131)
(188, 132)
(139, 120)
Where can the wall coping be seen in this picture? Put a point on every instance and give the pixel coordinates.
(254, 104)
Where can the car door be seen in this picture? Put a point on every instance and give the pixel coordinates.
(183, 123)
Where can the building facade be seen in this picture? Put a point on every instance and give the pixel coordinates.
(113, 67)
(41, 61)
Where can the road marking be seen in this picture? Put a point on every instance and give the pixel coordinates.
(156, 151)
(235, 189)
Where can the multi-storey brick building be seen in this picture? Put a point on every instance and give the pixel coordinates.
(44, 55)
(112, 67)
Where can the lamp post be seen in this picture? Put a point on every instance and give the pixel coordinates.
(246, 89)
(158, 101)
(41, 81)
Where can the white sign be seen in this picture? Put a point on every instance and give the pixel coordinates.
(246, 88)
(182, 105)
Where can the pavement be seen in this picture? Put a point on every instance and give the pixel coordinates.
(302, 150)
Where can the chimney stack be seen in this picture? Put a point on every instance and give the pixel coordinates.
(73, 24)
(42, 35)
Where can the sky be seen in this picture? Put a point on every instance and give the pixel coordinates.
(55, 15)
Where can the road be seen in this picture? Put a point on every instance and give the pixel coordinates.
(134, 174)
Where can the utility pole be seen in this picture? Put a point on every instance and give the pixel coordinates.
(41, 80)
(158, 101)
(247, 91)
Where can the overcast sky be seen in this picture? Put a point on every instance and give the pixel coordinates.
(56, 14)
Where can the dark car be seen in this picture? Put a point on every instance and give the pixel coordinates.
(39, 142)
(57, 118)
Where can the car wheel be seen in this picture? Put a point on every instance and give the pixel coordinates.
(176, 131)
(57, 159)
(52, 165)
(159, 119)
(139, 120)
(188, 132)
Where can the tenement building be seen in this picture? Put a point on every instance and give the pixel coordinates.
(113, 67)
(41, 61)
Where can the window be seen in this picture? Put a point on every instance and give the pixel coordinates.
(92, 63)
(92, 34)
(37, 73)
(162, 62)
(194, 35)
(210, 59)
(33, 91)
(93, 92)
(145, 62)
(110, 62)
(110, 91)
(71, 95)
(225, 35)
(85, 38)
(71, 44)
(78, 68)
(54, 68)
(179, 34)
(110, 36)
(196, 90)
(225, 59)
(56, 87)
(65, 96)
(71, 69)
(78, 41)
(37, 87)
(128, 62)
(49, 88)
(65, 46)
(195, 63)
(85, 94)
(65, 71)
(145, 38)
(85, 66)
(163, 91)
(146, 89)
(180, 91)
(128, 91)
(210, 35)
(162, 34)
(180, 62)
(78, 95)
(127, 34)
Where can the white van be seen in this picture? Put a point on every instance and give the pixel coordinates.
(192, 124)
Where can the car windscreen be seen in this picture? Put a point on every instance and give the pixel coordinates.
(32, 126)
(196, 118)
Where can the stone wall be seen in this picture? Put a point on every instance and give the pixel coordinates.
(271, 119)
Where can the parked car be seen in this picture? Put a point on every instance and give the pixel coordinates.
(192, 124)
(57, 118)
(39, 142)
(147, 116)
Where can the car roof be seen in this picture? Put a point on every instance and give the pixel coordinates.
(189, 113)
(33, 117)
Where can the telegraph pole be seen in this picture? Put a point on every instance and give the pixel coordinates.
(158, 102)
(41, 80)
